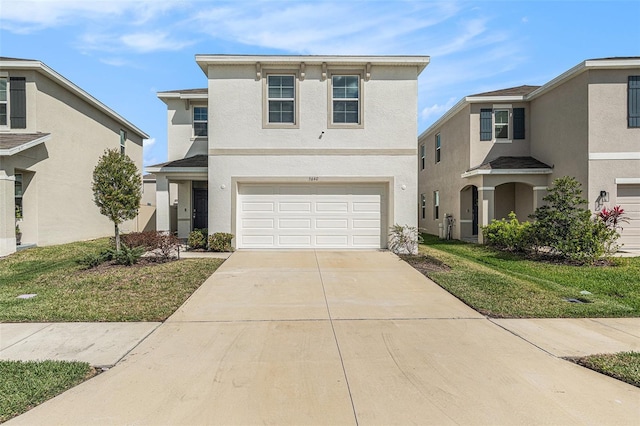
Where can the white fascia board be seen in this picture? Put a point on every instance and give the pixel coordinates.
(476, 172)
(174, 170)
(182, 96)
(615, 63)
(204, 61)
(72, 87)
(614, 156)
(12, 151)
(627, 180)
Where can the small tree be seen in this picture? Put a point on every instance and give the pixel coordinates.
(117, 188)
(566, 226)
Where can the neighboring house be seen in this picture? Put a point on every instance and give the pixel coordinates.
(52, 134)
(294, 151)
(498, 152)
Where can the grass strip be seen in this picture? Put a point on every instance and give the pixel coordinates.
(23, 385)
(623, 366)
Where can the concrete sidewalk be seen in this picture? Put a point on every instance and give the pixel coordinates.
(336, 338)
(101, 344)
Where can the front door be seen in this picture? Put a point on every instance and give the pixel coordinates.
(200, 208)
(474, 209)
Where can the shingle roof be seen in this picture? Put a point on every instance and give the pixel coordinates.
(512, 91)
(195, 161)
(512, 163)
(14, 140)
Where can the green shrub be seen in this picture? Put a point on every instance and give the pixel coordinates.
(92, 260)
(567, 229)
(508, 234)
(125, 256)
(197, 239)
(220, 242)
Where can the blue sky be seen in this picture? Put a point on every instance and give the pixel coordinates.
(123, 52)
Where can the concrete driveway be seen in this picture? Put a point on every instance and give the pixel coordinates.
(332, 338)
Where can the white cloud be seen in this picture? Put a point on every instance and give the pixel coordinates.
(144, 42)
(434, 111)
(148, 143)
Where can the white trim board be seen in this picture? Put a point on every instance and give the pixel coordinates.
(614, 156)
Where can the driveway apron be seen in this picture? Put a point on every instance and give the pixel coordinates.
(332, 338)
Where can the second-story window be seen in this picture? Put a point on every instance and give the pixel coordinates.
(3, 101)
(345, 96)
(438, 148)
(423, 156)
(200, 121)
(502, 123)
(123, 141)
(281, 99)
(633, 101)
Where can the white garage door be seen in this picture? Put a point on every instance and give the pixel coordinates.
(310, 215)
(629, 199)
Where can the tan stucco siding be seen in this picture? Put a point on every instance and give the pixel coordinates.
(560, 126)
(182, 142)
(58, 201)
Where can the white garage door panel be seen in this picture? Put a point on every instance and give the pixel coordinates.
(311, 215)
(628, 198)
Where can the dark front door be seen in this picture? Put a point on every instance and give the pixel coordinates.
(474, 209)
(200, 208)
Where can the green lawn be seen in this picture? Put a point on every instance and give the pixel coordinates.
(23, 385)
(623, 366)
(67, 292)
(504, 285)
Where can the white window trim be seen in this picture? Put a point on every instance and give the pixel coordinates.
(438, 148)
(436, 205)
(265, 98)
(193, 122)
(423, 206)
(123, 141)
(423, 156)
(5, 75)
(355, 72)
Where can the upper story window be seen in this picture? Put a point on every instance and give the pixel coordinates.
(3, 101)
(345, 99)
(502, 124)
(13, 102)
(634, 101)
(281, 99)
(123, 141)
(200, 121)
(438, 148)
(423, 156)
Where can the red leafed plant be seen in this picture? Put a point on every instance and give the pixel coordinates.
(613, 217)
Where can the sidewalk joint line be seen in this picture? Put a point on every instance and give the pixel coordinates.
(335, 337)
(522, 338)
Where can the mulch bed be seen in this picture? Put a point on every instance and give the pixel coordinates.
(425, 263)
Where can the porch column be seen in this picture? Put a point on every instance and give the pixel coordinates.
(7, 212)
(486, 205)
(163, 222)
(539, 192)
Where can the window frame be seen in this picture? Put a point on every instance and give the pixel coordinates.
(423, 206)
(123, 141)
(423, 156)
(360, 99)
(438, 146)
(266, 124)
(436, 205)
(633, 102)
(194, 121)
(5, 102)
(19, 205)
(507, 111)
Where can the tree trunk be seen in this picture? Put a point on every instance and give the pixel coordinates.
(117, 237)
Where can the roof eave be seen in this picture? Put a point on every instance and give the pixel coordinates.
(540, 171)
(12, 151)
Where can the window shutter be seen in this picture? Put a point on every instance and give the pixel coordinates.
(485, 125)
(18, 103)
(634, 101)
(518, 123)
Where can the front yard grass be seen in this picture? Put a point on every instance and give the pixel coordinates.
(23, 385)
(623, 366)
(505, 285)
(68, 292)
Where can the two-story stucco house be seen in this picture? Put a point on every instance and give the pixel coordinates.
(294, 151)
(498, 152)
(52, 134)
